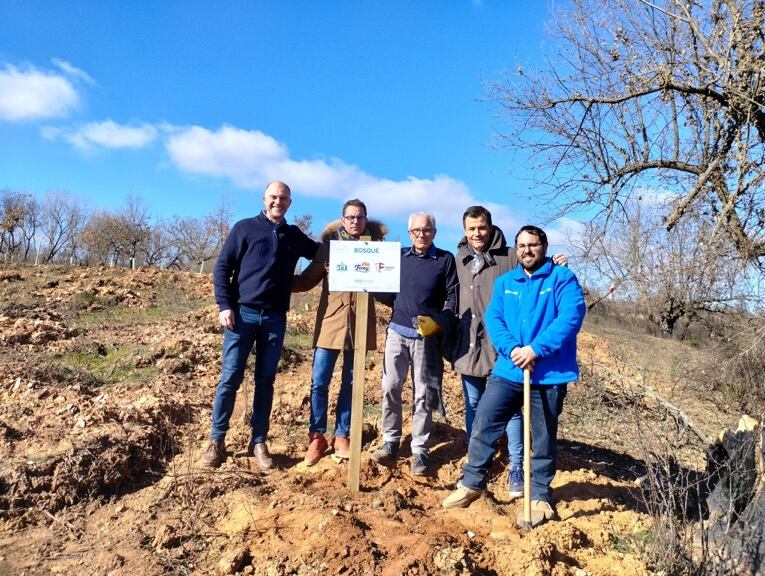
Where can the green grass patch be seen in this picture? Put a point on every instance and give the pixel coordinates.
(107, 365)
(633, 543)
(123, 316)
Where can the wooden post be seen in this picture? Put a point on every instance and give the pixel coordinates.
(359, 369)
(527, 447)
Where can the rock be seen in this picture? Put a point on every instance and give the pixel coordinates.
(165, 537)
(232, 560)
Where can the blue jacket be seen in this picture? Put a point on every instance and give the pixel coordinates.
(256, 264)
(544, 310)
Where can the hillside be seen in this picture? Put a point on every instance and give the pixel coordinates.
(106, 384)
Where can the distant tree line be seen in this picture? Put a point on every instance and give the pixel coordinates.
(58, 228)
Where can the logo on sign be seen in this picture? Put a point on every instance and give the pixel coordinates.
(365, 250)
(381, 267)
(342, 267)
(362, 267)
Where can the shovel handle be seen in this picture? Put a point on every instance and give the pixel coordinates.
(527, 446)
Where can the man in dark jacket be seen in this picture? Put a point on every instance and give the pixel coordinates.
(428, 290)
(483, 256)
(333, 333)
(252, 281)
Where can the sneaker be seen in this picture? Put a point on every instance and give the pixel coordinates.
(386, 454)
(214, 455)
(515, 482)
(461, 497)
(420, 464)
(342, 447)
(541, 512)
(317, 445)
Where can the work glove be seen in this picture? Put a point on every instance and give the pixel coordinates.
(426, 326)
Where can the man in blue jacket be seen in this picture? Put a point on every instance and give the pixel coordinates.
(533, 318)
(252, 281)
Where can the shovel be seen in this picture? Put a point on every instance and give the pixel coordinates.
(526, 524)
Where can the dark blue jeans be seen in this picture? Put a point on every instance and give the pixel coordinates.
(323, 364)
(263, 329)
(500, 400)
(473, 387)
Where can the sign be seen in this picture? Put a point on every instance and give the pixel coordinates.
(364, 266)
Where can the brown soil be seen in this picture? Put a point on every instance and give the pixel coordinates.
(106, 384)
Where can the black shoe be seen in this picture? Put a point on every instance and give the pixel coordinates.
(420, 465)
(386, 454)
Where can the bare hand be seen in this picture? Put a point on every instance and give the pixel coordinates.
(523, 357)
(226, 318)
(560, 259)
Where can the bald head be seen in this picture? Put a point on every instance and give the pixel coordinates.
(277, 200)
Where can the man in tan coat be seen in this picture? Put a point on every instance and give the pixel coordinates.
(333, 332)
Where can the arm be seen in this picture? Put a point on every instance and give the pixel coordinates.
(570, 315)
(314, 273)
(226, 266)
(452, 285)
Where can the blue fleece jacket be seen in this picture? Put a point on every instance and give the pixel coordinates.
(544, 310)
(257, 262)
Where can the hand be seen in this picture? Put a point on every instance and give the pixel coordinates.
(523, 357)
(560, 260)
(226, 319)
(426, 326)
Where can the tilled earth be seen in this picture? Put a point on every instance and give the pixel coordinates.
(106, 383)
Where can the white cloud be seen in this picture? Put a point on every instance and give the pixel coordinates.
(30, 94)
(106, 134)
(250, 159)
(72, 71)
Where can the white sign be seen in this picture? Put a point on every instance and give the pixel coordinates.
(364, 266)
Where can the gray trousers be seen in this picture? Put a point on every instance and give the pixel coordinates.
(404, 355)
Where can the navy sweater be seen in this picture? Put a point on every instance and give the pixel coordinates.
(428, 285)
(257, 262)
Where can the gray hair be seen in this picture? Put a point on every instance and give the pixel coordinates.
(428, 215)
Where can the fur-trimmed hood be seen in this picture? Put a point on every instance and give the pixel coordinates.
(377, 230)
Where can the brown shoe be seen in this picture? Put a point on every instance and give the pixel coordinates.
(317, 445)
(262, 457)
(541, 512)
(342, 447)
(214, 455)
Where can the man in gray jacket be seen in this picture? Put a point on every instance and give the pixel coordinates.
(483, 256)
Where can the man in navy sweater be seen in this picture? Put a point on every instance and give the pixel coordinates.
(252, 281)
(428, 290)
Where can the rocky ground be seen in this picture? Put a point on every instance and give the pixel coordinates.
(106, 382)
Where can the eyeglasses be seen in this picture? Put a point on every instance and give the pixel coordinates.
(355, 218)
(533, 246)
(422, 231)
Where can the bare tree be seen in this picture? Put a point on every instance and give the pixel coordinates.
(62, 221)
(19, 218)
(135, 227)
(663, 94)
(672, 275)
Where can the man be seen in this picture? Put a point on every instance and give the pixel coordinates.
(333, 333)
(252, 289)
(428, 291)
(483, 256)
(535, 313)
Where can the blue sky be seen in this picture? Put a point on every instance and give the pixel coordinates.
(183, 103)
